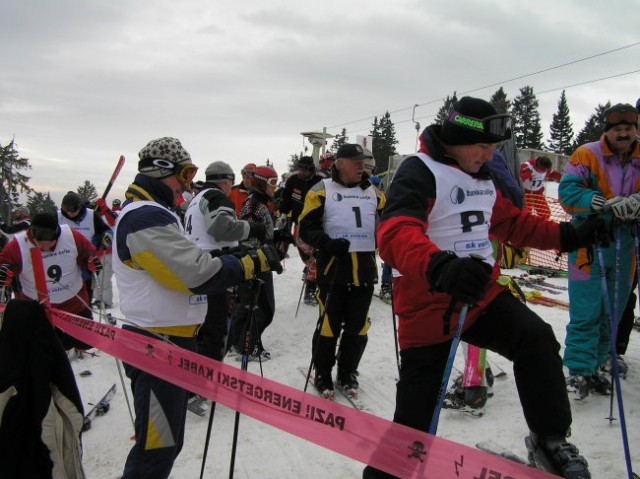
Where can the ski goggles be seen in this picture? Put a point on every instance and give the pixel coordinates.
(273, 182)
(186, 172)
(625, 117)
(44, 234)
(498, 126)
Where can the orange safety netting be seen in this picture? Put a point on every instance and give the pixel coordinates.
(541, 205)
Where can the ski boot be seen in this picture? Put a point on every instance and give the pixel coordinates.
(623, 367)
(578, 387)
(348, 381)
(310, 294)
(385, 293)
(599, 383)
(555, 455)
(324, 384)
(469, 400)
(198, 405)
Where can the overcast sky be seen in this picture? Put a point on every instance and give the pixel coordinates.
(85, 81)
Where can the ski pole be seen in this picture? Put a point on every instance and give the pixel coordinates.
(613, 326)
(321, 314)
(433, 427)
(230, 304)
(614, 361)
(256, 284)
(395, 330)
(304, 283)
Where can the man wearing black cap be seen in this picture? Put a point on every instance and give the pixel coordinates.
(339, 220)
(64, 253)
(602, 176)
(163, 279)
(74, 213)
(442, 209)
(291, 204)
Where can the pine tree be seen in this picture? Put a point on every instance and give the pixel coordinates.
(526, 120)
(40, 203)
(383, 137)
(561, 129)
(500, 102)
(12, 181)
(593, 127)
(339, 140)
(87, 192)
(446, 107)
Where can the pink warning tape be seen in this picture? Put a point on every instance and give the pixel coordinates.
(394, 448)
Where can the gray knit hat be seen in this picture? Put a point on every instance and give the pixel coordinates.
(159, 158)
(219, 172)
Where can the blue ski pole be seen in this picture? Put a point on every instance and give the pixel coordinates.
(614, 358)
(433, 427)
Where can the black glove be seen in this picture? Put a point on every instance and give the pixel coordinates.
(258, 231)
(465, 279)
(260, 260)
(593, 230)
(337, 247)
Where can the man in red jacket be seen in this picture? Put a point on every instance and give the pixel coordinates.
(442, 209)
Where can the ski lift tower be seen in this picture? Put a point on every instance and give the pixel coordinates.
(319, 141)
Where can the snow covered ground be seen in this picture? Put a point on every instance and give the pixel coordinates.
(265, 452)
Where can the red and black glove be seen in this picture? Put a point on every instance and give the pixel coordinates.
(94, 264)
(101, 206)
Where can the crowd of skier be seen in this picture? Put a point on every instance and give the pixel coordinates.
(194, 261)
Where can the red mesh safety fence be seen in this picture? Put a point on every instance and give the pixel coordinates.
(541, 205)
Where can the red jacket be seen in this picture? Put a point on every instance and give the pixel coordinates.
(404, 246)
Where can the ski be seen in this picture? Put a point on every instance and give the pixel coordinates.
(544, 270)
(355, 401)
(530, 284)
(536, 297)
(99, 409)
(114, 175)
(540, 279)
(497, 450)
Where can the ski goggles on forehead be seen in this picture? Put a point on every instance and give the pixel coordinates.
(628, 117)
(498, 126)
(44, 234)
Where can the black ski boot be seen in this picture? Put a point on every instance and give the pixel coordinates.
(324, 384)
(555, 455)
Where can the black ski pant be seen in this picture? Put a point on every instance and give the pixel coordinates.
(344, 311)
(213, 332)
(512, 330)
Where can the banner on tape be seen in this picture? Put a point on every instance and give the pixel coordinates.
(394, 448)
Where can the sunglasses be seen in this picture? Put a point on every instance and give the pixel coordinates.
(43, 234)
(498, 126)
(618, 117)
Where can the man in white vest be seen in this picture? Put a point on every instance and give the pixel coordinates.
(339, 219)
(164, 279)
(443, 209)
(210, 222)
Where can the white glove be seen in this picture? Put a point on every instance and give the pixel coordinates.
(625, 209)
(598, 202)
